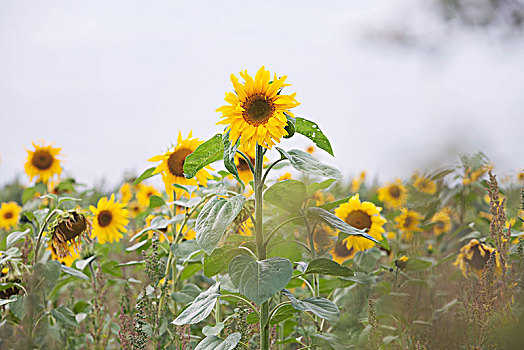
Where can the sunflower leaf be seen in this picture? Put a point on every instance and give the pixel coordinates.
(287, 194)
(145, 175)
(229, 156)
(215, 343)
(313, 132)
(321, 307)
(208, 152)
(200, 308)
(337, 223)
(219, 260)
(213, 220)
(303, 161)
(328, 267)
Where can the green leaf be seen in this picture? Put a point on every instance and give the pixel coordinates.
(303, 161)
(317, 186)
(74, 272)
(81, 264)
(284, 249)
(213, 220)
(210, 330)
(159, 223)
(185, 250)
(187, 294)
(321, 307)
(288, 195)
(190, 270)
(214, 343)
(28, 194)
(219, 260)
(333, 205)
(15, 237)
(145, 175)
(336, 223)
(229, 155)
(205, 154)
(328, 267)
(252, 318)
(259, 280)
(282, 314)
(156, 201)
(417, 264)
(323, 341)
(313, 132)
(50, 272)
(200, 308)
(65, 316)
(290, 126)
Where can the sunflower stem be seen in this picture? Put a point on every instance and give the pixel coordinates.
(41, 233)
(261, 247)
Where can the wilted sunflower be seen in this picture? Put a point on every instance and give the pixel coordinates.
(342, 252)
(143, 194)
(110, 220)
(363, 216)
(172, 166)
(424, 184)
(43, 162)
(476, 255)
(442, 221)
(9, 214)
(408, 221)
(393, 195)
(255, 113)
(66, 232)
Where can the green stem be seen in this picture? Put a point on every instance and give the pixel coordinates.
(244, 300)
(261, 247)
(274, 311)
(313, 255)
(41, 233)
(271, 167)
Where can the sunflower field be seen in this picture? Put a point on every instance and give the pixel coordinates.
(252, 246)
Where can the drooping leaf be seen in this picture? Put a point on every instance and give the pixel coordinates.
(159, 223)
(74, 272)
(145, 175)
(208, 152)
(219, 260)
(290, 126)
(303, 161)
(215, 343)
(328, 267)
(287, 194)
(336, 223)
(213, 220)
(313, 132)
(260, 280)
(200, 308)
(321, 307)
(213, 330)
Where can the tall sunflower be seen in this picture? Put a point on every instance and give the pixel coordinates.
(110, 220)
(42, 162)
(172, 166)
(393, 195)
(9, 214)
(361, 215)
(255, 112)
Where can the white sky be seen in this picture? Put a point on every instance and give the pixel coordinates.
(112, 82)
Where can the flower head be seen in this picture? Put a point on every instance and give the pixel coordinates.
(393, 195)
(66, 232)
(42, 162)
(9, 214)
(408, 222)
(110, 220)
(256, 112)
(442, 221)
(424, 184)
(476, 255)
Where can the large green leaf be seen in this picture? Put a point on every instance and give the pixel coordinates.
(145, 175)
(313, 132)
(205, 154)
(336, 223)
(219, 260)
(200, 308)
(303, 161)
(328, 267)
(260, 280)
(282, 314)
(49, 272)
(187, 294)
(287, 194)
(213, 220)
(321, 307)
(215, 343)
(316, 186)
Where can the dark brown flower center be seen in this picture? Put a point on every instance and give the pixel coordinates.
(257, 109)
(104, 218)
(42, 160)
(176, 160)
(394, 191)
(478, 261)
(359, 219)
(342, 250)
(407, 222)
(8, 215)
(242, 164)
(322, 238)
(440, 224)
(72, 227)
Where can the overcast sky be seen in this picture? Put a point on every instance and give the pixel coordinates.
(112, 82)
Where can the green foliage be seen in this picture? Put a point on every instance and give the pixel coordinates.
(303, 161)
(287, 194)
(200, 308)
(208, 152)
(313, 132)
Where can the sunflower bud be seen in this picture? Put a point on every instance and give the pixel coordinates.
(402, 262)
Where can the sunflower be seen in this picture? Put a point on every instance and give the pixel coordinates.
(472, 176)
(110, 220)
(442, 221)
(408, 222)
(424, 184)
(324, 238)
(172, 166)
(66, 232)
(520, 177)
(244, 171)
(357, 182)
(125, 192)
(476, 255)
(68, 259)
(143, 194)
(134, 209)
(310, 149)
(256, 113)
(342, 252)
(9, 214)
(43, 162)
(402, 262)
(393, 195)
(363, 216)
(286, 176)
